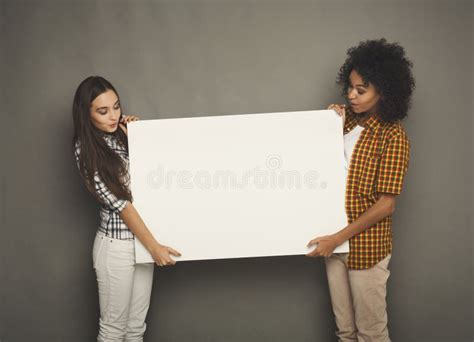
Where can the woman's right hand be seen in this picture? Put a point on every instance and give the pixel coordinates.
(162, 255)
(341, 110)
(125, 120)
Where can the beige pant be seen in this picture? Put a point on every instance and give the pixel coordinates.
(358, 299)
(124, 290)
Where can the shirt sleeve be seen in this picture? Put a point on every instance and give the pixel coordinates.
(394, 165)
(107, 198)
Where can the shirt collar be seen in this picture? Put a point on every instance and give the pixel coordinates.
(107, 136)
(372, 123)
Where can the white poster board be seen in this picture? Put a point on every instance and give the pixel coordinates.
(239, 185)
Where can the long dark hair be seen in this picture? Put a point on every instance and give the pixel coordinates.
(96, 156)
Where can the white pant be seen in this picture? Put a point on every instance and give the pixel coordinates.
(359, 299)
(124, 289)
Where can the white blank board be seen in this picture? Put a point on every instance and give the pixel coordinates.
(238, 186)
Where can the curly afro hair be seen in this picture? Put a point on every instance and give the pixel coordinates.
(385, 66)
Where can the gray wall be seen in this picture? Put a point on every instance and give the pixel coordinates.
(190, 58)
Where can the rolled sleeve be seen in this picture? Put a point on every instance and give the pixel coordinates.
(394, 165)
(107, 197)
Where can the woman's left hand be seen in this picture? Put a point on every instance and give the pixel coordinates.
(325, 246)
(125, 120)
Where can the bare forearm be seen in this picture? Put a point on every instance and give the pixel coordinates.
(133, 220)
(380, 210)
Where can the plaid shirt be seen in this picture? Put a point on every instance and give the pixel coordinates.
(378, 165)
(110, 222)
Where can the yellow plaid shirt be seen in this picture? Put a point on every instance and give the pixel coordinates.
(378, 165)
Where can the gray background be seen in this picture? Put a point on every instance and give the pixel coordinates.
(190, 58)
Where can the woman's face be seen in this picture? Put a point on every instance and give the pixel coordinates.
(363, 97)
(105, 111)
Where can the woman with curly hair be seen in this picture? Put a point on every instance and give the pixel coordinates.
(377, 82)
(100, 146)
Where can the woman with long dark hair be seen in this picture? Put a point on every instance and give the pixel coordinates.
(101, 149)
(377, 82)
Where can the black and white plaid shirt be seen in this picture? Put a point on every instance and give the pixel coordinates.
(110, 222)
